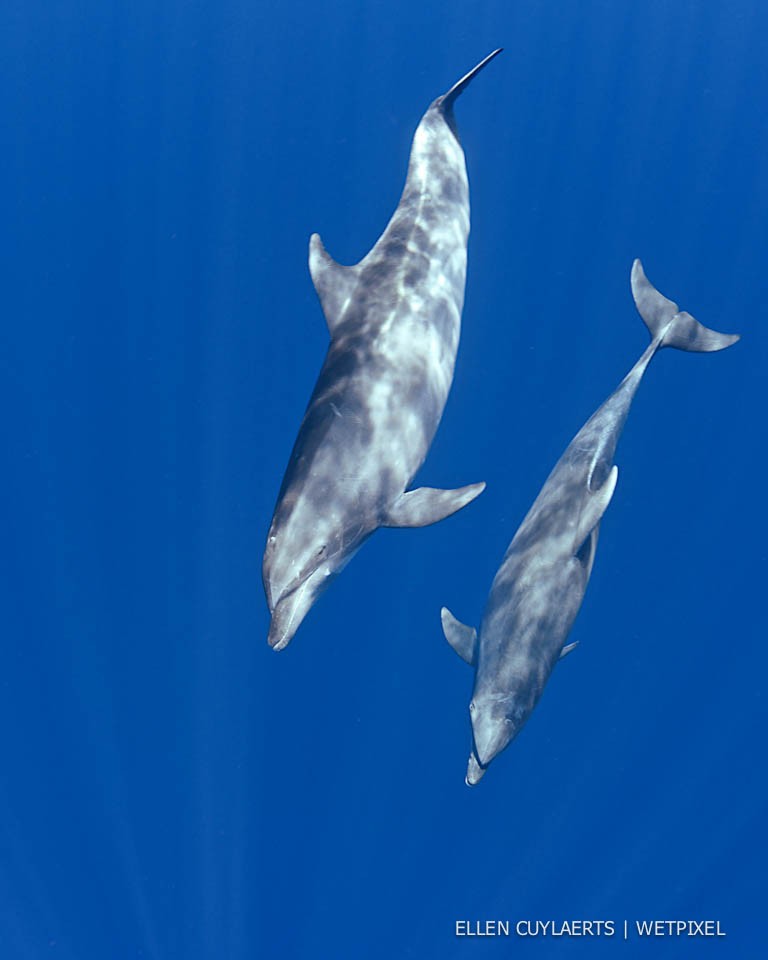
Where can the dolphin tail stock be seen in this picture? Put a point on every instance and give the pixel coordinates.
(672, 327)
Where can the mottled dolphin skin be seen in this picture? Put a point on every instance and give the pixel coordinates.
(394, 320)
(540, 585)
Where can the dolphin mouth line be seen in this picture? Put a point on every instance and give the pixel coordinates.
(492, 746)
(286, 633)
(475, 770)
(300, 580)
(311, 568)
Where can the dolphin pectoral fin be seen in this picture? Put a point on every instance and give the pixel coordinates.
(567, 649)
(426, 505)
(595, 506)
(586, 552)
(462, 638)
(334, 283)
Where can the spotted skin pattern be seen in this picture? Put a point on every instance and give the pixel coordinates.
(394, 320)
(540, 585)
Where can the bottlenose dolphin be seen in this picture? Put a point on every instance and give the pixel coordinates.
(540, 585)
(394, 320)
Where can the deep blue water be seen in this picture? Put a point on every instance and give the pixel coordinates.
(170, 787)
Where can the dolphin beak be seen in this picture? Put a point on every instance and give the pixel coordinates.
(287, 616)
(474, 771)
(491, 734)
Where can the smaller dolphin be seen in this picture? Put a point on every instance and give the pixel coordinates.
(541, 583)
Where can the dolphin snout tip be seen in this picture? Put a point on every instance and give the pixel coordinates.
(278, 643)
(279, 635)
(475, 771)
(287, 616)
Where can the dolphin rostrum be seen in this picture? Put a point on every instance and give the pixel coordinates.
(394, 320)
(540, 585)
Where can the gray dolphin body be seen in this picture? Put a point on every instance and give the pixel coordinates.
(541, 583)
(394, 320)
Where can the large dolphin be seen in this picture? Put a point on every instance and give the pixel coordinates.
(540, 585)
(394, 320)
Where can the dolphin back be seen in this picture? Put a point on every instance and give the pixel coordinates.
(669, 326)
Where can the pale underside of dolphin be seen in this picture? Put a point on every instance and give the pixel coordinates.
(394, 320)
(538, 590)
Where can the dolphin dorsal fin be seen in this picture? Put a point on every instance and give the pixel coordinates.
(462, 638)
(334, 283)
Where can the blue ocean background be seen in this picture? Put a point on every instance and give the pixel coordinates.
(169, 786)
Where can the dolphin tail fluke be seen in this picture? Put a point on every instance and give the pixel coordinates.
(426, 505)
(673, 328)
(462, 638)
